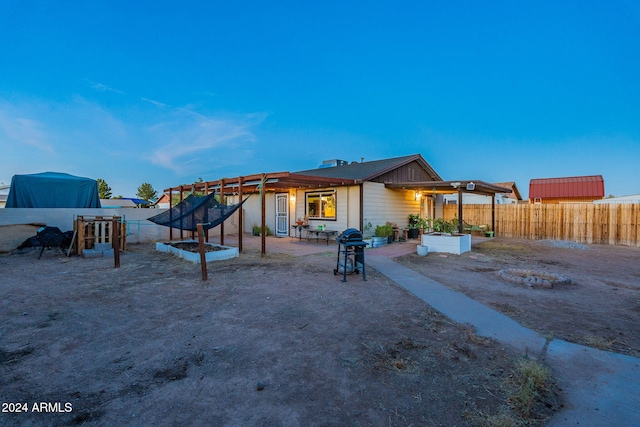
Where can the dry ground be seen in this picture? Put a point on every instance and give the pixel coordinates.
(600, 308)
(274, 341)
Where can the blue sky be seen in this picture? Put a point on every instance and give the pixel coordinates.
(169, 92)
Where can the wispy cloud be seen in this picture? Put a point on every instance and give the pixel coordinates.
(21, 129)
(153, 102)
(196, 138)
(100, 87)
(133, 142)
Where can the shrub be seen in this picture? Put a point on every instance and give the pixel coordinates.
(384, 231)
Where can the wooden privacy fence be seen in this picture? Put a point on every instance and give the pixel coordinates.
(613, 224)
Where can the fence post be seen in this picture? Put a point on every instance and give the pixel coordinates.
(203, 257)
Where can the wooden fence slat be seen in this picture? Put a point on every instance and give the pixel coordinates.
(614, 224)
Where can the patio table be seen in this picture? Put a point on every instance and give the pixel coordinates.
(327, 234)
(297, 230)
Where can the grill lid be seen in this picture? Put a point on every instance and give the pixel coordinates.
(350, 235)
(50, 236)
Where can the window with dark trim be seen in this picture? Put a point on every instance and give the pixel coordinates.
(321, 205)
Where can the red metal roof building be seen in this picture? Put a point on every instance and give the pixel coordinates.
(574, 189)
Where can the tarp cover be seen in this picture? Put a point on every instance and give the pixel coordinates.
(52, 190)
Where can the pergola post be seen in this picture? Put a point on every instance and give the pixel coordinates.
(460, 224)
(240, 215)
(206, 193)
(221, 202)
(263, 218)
(181, 231)
(170, 215)
(493, 213)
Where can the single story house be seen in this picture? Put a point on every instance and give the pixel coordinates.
(162, 202)
(573, 189)
(341, 195)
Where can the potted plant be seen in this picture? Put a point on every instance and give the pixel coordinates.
(425, 225)
(395, 232)
(256, 230)
(384, 232)
(414, 221)
(366, 233)
(440, 225)
(422, 250)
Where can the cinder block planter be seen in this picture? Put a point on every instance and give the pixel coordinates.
(226, 253)
(453, 244)
(92, 253)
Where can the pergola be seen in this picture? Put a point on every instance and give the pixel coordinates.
(252, 184)
(455, 187)
(286, 181)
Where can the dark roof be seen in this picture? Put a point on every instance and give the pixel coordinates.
(573, 186)
(365, 171)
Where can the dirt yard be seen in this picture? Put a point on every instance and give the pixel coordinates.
(600, 307)
(282, 341)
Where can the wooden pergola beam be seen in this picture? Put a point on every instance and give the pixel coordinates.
(453, 187)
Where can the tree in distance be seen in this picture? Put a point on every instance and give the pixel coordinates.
(104, 191)
(146, 192)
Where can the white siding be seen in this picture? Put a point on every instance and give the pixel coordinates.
(382, 205)
(252, 212)
(353, 216)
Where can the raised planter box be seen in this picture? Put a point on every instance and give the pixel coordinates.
(227, 252)
(453, 244)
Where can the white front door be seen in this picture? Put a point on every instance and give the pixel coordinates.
(282, 214)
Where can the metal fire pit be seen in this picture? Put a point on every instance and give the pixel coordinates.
(351, 250)
(50, 237)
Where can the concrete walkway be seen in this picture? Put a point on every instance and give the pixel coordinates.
(599, 388)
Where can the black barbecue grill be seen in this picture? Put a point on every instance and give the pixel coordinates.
(351, 250)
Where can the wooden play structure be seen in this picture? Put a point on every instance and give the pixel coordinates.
(98, 229)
